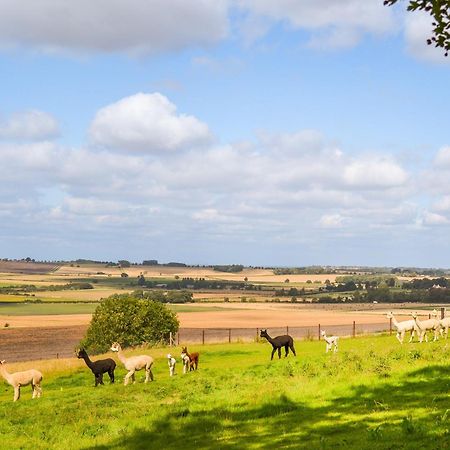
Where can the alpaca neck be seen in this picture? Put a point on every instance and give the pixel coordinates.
(269, 338)
(87, 360)
(121, 356)
(418, 322)
(5, 374)
(394, 321)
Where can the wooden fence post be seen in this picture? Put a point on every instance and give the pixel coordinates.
(319, 331)
(390, 325)
(203, 336)
(229, 335)
(442, 312)
(257, 335)
(178, 337)
(429, 316)
(354, 329)
(287, 329)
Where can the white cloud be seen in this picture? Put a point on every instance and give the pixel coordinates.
(433, 219)
(374, 172)
(140, 26)
(29, 125)
(340, 23)
(331, 221)
(147, 123)
(442, 159)
(418, 28)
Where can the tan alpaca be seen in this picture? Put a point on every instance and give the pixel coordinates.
(134, 363)
(18, 379)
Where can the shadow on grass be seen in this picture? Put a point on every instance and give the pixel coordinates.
(410, 412)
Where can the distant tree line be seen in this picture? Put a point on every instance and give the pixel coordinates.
(233, 268)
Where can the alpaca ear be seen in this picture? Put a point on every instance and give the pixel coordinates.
(3, 361)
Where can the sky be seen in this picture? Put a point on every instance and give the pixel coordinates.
(288, 133)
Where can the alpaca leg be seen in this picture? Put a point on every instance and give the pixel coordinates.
(127, 377)
(133, 377)
(412, 336)
(100, 377)
(291, 346)
(148, 375)
(273, 352)
(279, 353)
(111, 375)
(39, 390)
(34, 391)
(16, 393)
(327, 348)
(286, 350)
(400, 337)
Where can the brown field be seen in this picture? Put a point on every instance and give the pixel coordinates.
(26, 267)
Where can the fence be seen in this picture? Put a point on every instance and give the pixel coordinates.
(223, 335)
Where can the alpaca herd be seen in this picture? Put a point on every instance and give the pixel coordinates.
(421, 327)
(132, 364)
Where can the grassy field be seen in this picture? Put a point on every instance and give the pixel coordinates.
(372, 394)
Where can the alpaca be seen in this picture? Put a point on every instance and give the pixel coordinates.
(189, 359)
(331, 341)
(172, 362)
(430, 324)
(445, 324)
(19, 379)
(285, 341)
(98, 367)
(134, 363)
(403, 327)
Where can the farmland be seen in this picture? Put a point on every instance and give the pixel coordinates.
(382, 395)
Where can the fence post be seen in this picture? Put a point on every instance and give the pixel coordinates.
(257, 335)
(319, 331)
(178, 337)
(442, 312)
(429, 315)
(287, 329)
(229, 335)
(354, 329)
(203, 336)
(390, 325)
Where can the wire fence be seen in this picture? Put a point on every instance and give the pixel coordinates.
(313, 332)
(25, 344)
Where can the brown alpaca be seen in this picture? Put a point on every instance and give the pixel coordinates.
(189, 359)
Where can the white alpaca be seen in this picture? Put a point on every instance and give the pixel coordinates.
(186, 362)
(172, 362)
(445, 324)
(134, 363)
(403, 327)
(18, 379)
(430, 324)
(331, 341)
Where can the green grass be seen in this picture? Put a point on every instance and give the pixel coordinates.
(373, 394)
(36, 309)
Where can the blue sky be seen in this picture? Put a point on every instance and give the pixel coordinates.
(294, 132)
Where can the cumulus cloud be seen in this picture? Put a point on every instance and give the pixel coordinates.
(339, 23)
(29, 125)
(331, 221)
(147, 123)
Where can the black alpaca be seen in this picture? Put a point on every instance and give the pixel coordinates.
(285, 341)
(99, 367)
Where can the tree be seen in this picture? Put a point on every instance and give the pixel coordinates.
(130, 321)
(439, 10)
(124, 263)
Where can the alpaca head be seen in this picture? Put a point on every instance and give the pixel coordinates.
(169, 356)
(434, 313)
(323, 333)
(184, 350)
(263, 333)
(80, 353)
(389, 315)
(414, 314)
(115, 347)
(3, 361)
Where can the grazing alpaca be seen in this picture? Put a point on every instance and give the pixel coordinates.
(331, 341)
(403, 327)
(134, 363)
(445, 324)
(99, 367)
(189, 360)
(18, 379)
(285, 341)
(171, 361)
(430, 324)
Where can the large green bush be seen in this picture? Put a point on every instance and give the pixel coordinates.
(130, 321)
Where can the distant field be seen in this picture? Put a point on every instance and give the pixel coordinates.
(36, 309)
(26, 267)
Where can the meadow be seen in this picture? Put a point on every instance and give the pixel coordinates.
(373, 393)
